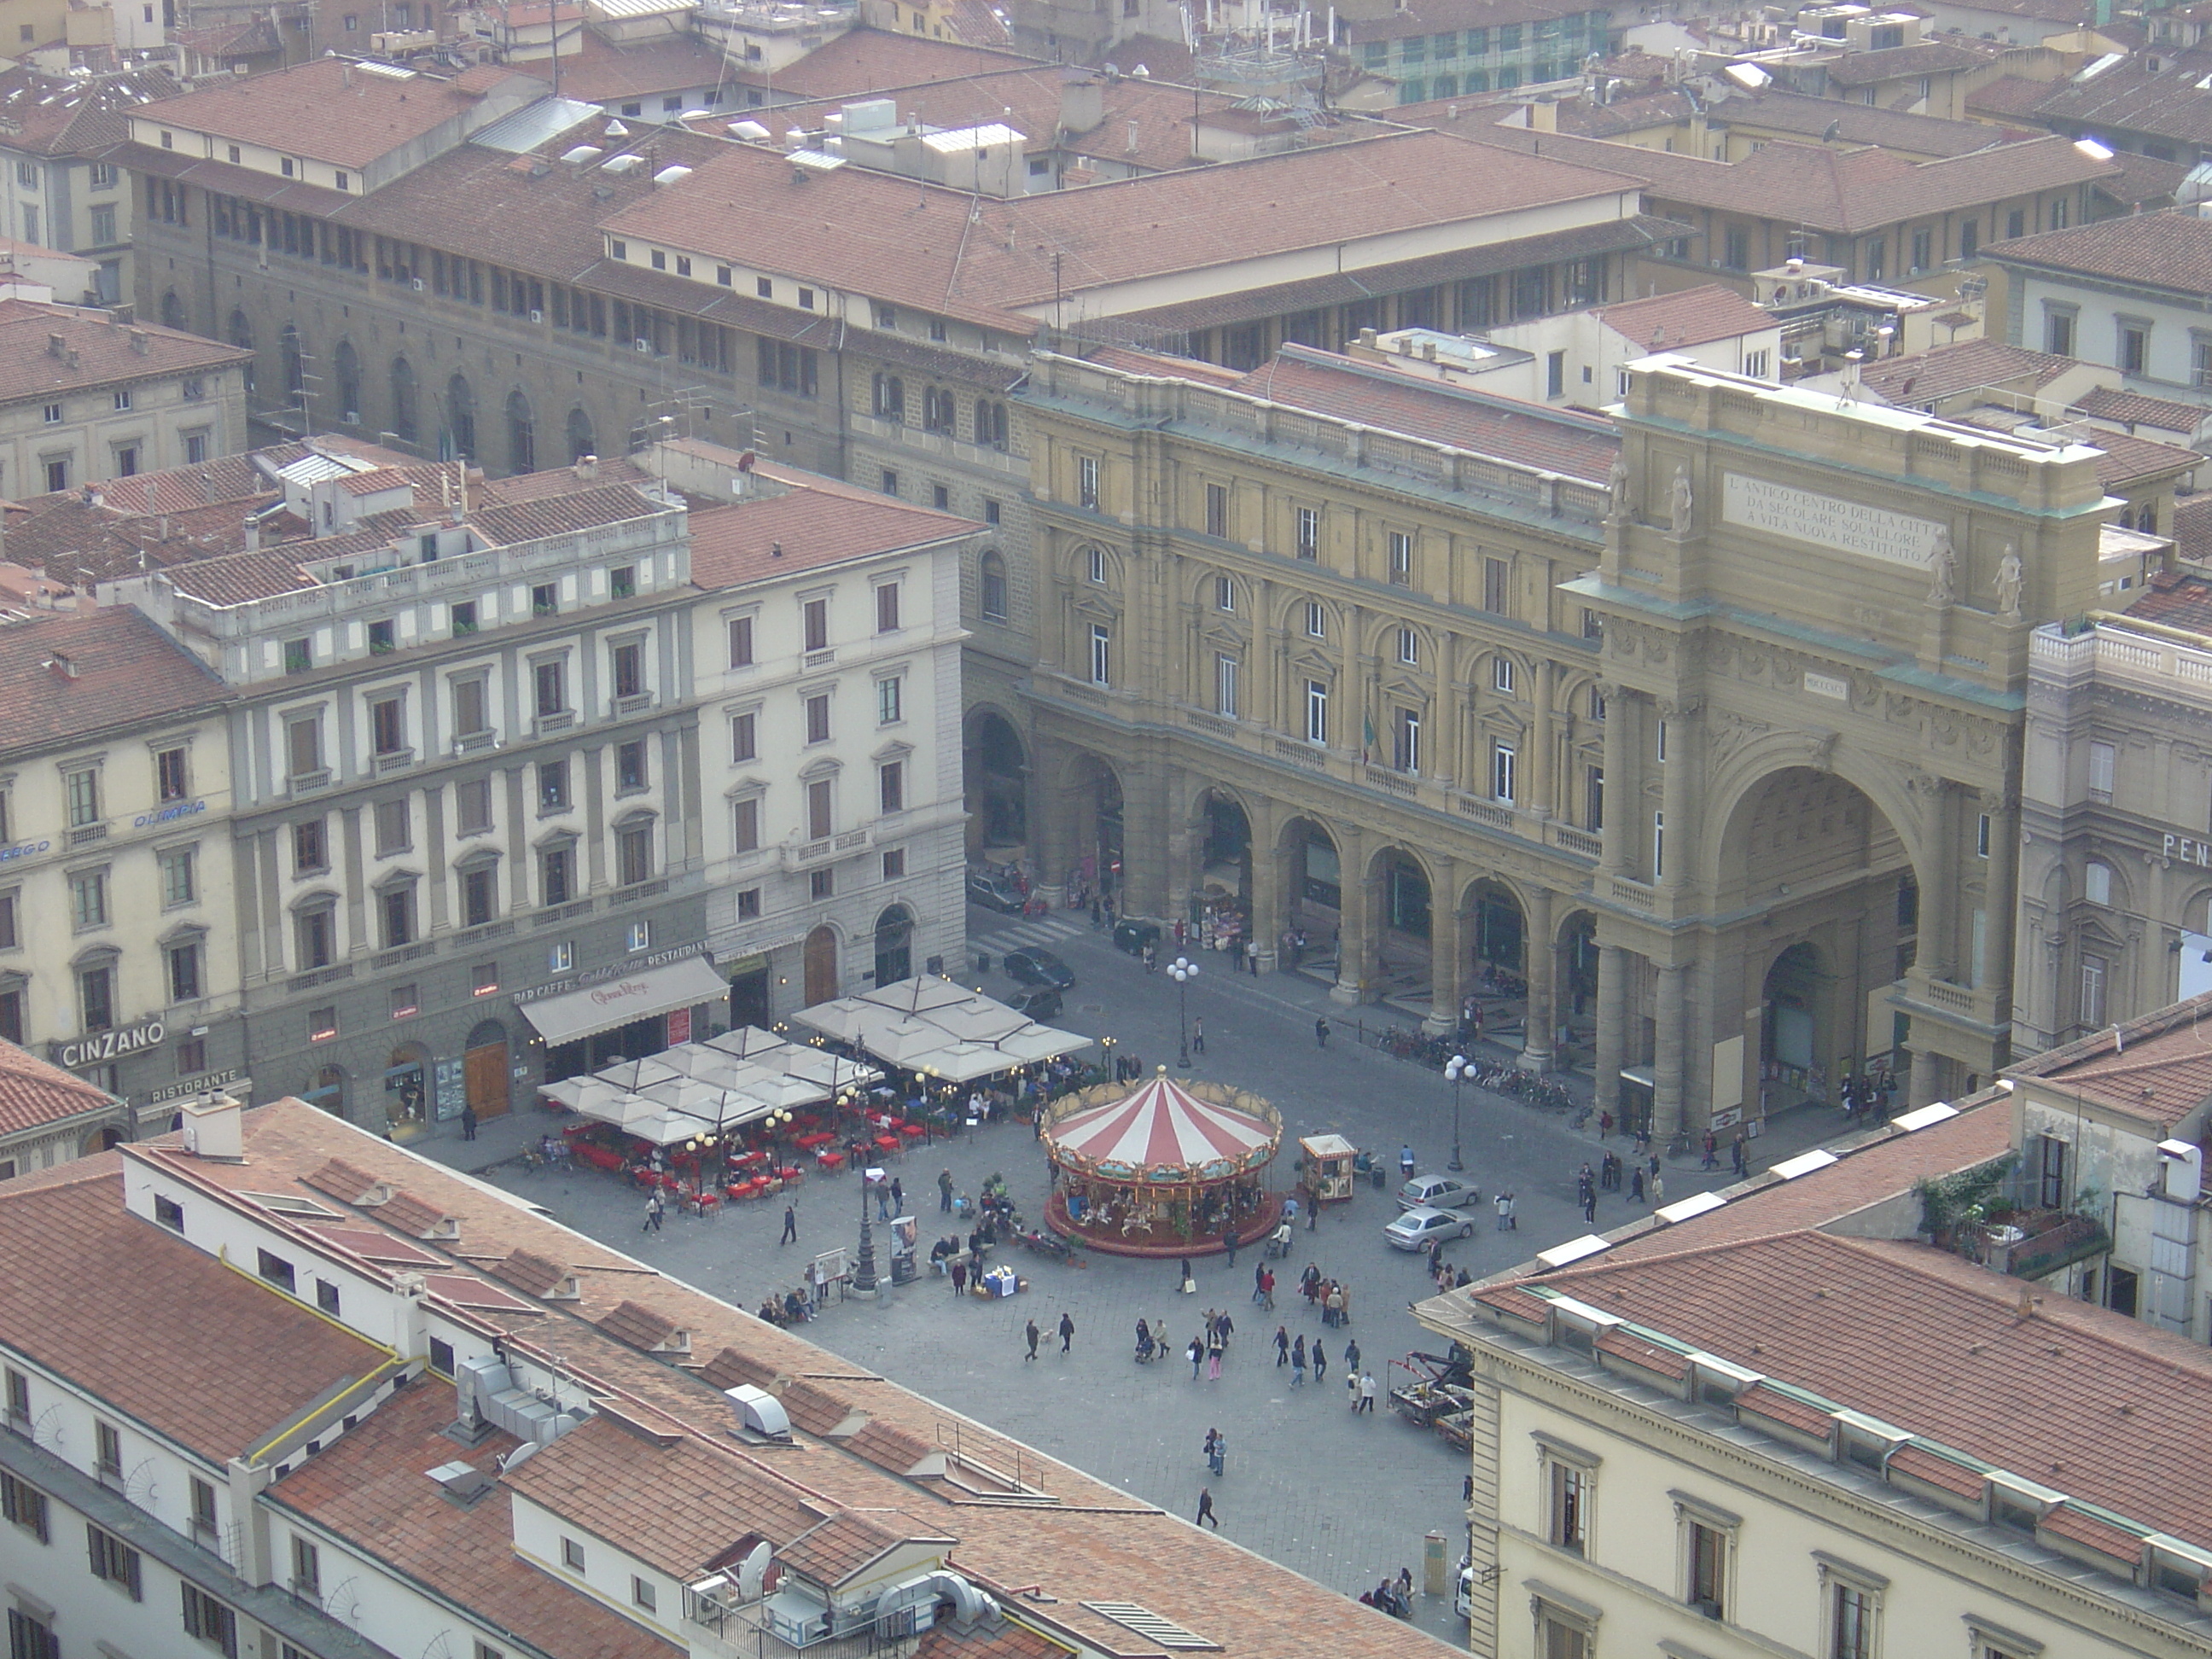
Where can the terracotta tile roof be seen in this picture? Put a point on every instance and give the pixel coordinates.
(1936, 1470)
(2191, 528)
(2158, 1068)
(343, 1180)
(325, 109)
(1862, 68)
(583, 509)
(732, 1366)
(1643, 1355)
(141, 1344)
(1662, 106)
(75, 115)
(2098, 1405)
(890, 1447)
(34, 1094)
(2008, 96)
(2110, 403)
(2071, 1521)
(2144, 182)
(812, 1407)
(123, 671)
(2132, 97)
(373, 1487)
(2170, 250)
(371, 1244)
(1433, 16)
(1691, 317)
(679, 1506)
(601, 71)
(410, 1215)
(1579, 445)
(640, 1327)
(734, 544)
(531, 1273)
(95, 350)
(1779, 1408)
(1861, 124)
(863, 63)
(2126, 459)
(979, 24)
(1927, 378)
(1009, 1641)
(834, 1551)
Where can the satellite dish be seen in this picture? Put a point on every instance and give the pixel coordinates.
(752, 1572)
(521, 1454)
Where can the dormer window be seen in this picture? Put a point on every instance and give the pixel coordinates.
(286, 166)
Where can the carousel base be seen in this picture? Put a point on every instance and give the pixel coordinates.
(1112, 1241)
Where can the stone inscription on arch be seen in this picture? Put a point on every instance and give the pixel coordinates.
(1803, 515)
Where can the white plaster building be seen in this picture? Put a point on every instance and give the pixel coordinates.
(2133, 292)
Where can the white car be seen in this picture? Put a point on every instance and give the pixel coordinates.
(1441, 1191)
(1418, 1228)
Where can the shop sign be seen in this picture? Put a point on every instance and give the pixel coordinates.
(183, 809)
(110, 1045)
(25, 850)
(613, 970)
(2180, 849)
(199, 1085)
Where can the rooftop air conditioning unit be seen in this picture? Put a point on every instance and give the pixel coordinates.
(418, 284)
(537, 316)
(642, 345)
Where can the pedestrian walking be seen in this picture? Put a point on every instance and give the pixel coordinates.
(790, 1226)
(1282, 1346)
(1196, 1352)
(1321, 1363)
(1736, 1153)
(1711, 1159)
(1214, 1348)
(1505, 1204)
(1259, 1282)
(1267, 1288)
(1252, 957)
(654, 1209)
(1636, 1185)
(960, 1277)
(1298, 1362)
(1313, 1215)
(1406, 1162)
(1367, 1392)
(945, 1190)
(898, 1197)
(1351, 1356)
(1031, 1333)
(1320, 1032)
(1217, 1451)
(1653, 1162)
(1206, 1515)
(1198, 1034)
(1189, 1284)
(1229, 1243)
(1605, 1125)
(1658, 1191)
(1066, 1330)
(468, 1122)
(1351, 1387)
(1590, 1206)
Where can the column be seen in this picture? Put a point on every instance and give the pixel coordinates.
(1270, 914)
(2000, 899)
(1362, 895)
(1614, 965)
(1539, 954)
(1940, 901)
(1543, 761)
(1678, 791)
(1666, 1067)
(1615, 839)
(1447, 951)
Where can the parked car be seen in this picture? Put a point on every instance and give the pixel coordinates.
(1133, 935)
(1040, 967)
(1418, 1228)
(1438, 1191)
(1463, 1601)
(991, 887)
(1039, 1004)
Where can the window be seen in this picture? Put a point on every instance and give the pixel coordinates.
(1707, 1538)
(1101, 654)
(633, 855)
(179, 884)
(313, 936)
(2200, 361)
(630, 766)
(895, 864)
(1853, 1611)
(550, 683)
(1399, 549)
(1308, 526)
(1594, 798)
(939, 411)
(395, 909)
(1982, 835)
(472, 806)
(553, 785)
(20, 1501)
(822, 884)
(470, 701)
(641, 1593)
(2095, 971)
(1405, 741)
(2058, 329)
(170, 778)
(387, 725)
(1317, 712)
(1501, 676)
(890, 786)
(57, 473)
(1217, 510)
(1570, 1486)
(395, 827)
(887, 608)
(303, 746)
(2134, 354)
(204, 1521)
(310, 849)
(88, 899)
(114, 1561)
(1097, 565)
(81, 789)
(465, 621)
(2097, 884)
(210, 1622)
(11, 936)
(183, 965)
(30, 1635)
(745, 826)
(817, 718)
(990, 508)
(19, 1393)
(299, 656)
(1658, 846)
(53, 414)
(277, 1270)
(743, 744)
(814, 617)
(1555, 373)
(627, 661)
(1317, 621)
(1759, 365)
(1225, 668)
(1224, 593)
(1086, 482)
(121, 399)
(2102, 758)
(479, 896)
(107, 1449)
(556, 875)
(992, 581)
(889, 699)
(819, 819)
(1504, 772)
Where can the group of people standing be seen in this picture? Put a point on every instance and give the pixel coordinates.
(1644, 1181)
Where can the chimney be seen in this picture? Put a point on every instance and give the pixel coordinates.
(1081, 104)
(1133, 138)
(62, 666)
(252, 536)
(587, 468)
(215, 1126)
(56, 346)
(138, 341)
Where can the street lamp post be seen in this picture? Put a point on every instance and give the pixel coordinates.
(1182, 970)
(1457, 1069)
(1106, 1046)
(864, 1270)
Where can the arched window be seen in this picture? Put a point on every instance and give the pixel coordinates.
(459, 437)
(403, 425)
(990, 423)
(938, 412)
(521, 434)
(894, 945)
(889, 403)
(173, 310)
(580, 440)
(992, 574)
(296, 366)
(241, 336)
(345, 365)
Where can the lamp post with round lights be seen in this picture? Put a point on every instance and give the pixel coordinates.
(1457, 1069)
(1182, 970)
(1106, 1046)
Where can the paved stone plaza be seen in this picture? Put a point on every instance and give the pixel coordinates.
(1344, 1500)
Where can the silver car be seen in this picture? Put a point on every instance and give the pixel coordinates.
(1419, 1228)
(1441, 1191)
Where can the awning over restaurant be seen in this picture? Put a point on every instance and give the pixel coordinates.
(617, 1001)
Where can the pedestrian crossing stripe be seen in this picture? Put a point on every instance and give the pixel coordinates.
(1035, 933)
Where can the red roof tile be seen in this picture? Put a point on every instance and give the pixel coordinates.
(640, 1327)
(2158, 1067)
(531, 1273)
(1691, 317)
(326, 109)
(121, 671)
(769, 537)
(34, 1094)
(2170, 250)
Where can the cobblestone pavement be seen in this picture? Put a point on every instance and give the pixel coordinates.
(1344, 1499)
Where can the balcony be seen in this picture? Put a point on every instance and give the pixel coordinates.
(635, 703)
(470, 742)
(85, 834)
(2037, 1243)
(805, 854)
(397, 760)
(307, 783)
(546, 724)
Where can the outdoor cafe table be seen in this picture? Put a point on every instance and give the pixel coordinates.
(808, 1143)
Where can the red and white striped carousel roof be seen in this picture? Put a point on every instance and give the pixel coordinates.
(1162, 1124)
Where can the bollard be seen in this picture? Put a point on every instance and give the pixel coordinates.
(1433, 1564)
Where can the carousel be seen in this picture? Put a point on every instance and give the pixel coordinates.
(1160, 1168)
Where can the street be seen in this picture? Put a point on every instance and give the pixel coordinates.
(1346, 1499)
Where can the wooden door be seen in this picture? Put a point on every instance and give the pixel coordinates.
(820, 966)
(484, 1079)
